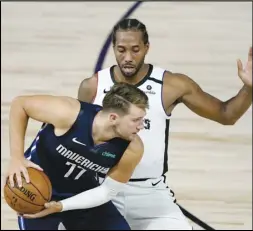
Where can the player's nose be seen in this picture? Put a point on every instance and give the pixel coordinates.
(128, 58)
(140, 126)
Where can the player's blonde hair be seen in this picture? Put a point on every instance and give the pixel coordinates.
(122, 95)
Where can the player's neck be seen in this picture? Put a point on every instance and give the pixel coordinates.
(140, 75)
(101, 130)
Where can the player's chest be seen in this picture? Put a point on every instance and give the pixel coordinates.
(81, 150)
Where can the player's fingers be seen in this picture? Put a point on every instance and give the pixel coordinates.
(26, 175)
(35, 166)
(250, 54)
(47, 205)
(6, 177)
(19, 179)
(42, 213)
(239, 65)
(50, 204)
(11, 180)
(29, 216)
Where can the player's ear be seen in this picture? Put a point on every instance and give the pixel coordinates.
(147, 48)
(113, 118)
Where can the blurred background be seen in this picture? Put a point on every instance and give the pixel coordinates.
(49, 48)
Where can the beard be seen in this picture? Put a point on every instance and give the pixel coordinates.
(131, 72)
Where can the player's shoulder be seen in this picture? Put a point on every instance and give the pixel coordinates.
(89, 106)
(174, 76)
(136, 146)
(88, 110)
(135, 150)
(88, 88)
(92, 80)
(168, 75)
(177, 80)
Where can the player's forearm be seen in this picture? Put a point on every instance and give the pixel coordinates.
(235, 107)
(93, 197)
(88, 199)
(18, 121)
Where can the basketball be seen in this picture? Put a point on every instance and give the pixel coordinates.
(31, 197)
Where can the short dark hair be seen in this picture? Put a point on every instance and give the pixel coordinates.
(130, 24)
(122, 95)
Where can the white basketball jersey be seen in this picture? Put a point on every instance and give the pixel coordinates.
(156, 122)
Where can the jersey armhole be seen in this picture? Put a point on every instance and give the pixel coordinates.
(164, 109)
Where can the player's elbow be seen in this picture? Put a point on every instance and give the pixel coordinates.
(18, 99)
(228, 122)
(107, 194)
(227, 117)
(112, 187)
(18, 102)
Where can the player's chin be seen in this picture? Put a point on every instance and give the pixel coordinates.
(132, 136)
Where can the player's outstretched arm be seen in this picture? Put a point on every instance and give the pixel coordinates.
(208, 106)
(59, 111)
(113, 183)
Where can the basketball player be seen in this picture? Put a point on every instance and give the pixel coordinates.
(79, 142)
(147, 203)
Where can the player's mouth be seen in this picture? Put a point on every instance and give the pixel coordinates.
(128, 69)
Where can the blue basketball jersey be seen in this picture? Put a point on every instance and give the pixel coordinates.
(72, 161)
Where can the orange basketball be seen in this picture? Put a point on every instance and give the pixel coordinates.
(31, 197)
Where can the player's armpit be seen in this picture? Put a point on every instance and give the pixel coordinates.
(123, 171)
(87, 89)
